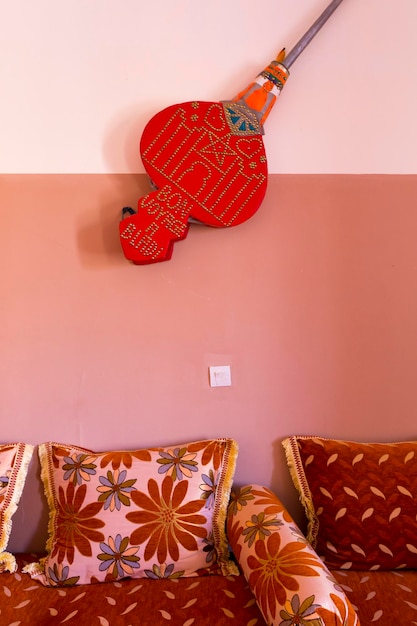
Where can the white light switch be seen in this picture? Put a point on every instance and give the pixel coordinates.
(220, 376)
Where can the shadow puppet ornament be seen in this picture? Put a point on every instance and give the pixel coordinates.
(206, 162)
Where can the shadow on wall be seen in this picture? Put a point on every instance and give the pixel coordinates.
(121, 144)
(98, 225)
(30, 522)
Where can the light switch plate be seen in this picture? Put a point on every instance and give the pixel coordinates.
(220, 376)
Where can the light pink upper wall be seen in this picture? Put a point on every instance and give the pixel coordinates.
(83, 78)
(313, 303)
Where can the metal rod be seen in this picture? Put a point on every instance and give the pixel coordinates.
(312, 32)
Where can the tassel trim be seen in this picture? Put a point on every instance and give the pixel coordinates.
(45, 458)
(227, 566)
(34, 569)
(19, 470)
(7, 563)
(296, 469)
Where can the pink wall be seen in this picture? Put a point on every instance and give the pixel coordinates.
(313, 303)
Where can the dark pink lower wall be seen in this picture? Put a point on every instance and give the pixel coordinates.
(313, 303)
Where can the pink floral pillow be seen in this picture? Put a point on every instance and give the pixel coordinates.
(14, 463)
(157, 513)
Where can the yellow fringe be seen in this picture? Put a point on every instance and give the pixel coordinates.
(45, 458)
(19, 473)
(7, 563)
(299, 479)
(34, 569)
(227, 566)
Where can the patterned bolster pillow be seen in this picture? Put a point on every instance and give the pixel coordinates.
(289, 581)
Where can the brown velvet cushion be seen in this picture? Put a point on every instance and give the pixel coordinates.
(360, 500)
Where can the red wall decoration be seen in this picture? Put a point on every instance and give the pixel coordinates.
(206, 162)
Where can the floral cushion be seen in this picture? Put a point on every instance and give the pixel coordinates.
(153, 513)
(14, 463)
(360, 500)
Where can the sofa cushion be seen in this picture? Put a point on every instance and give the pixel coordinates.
(360, 500)
(141, 513)
(202, 601)
(14, 463)
(381, 597)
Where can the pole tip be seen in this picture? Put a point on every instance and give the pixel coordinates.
(281, 56)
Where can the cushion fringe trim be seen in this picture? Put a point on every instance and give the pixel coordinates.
(296, 469)
(24, 452)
